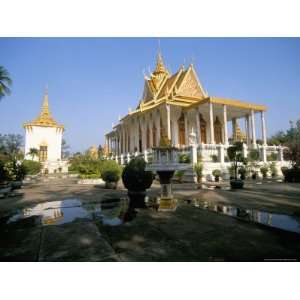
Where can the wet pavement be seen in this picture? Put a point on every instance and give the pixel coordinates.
(94, 224)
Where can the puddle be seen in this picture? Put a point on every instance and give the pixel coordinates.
(112, 212)
(281, 221)
(117, 211)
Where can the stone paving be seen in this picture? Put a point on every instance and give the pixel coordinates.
(187, 234)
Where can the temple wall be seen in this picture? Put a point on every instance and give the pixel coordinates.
(50, 136)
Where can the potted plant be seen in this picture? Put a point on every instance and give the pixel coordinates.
(235, 154)
(136, 180)
(184, 159)
(264, 171)
(254, 175)
(216, 173)
(242, 171)
(198, 169)
(111, 173)
(273, 169)
(179, 175)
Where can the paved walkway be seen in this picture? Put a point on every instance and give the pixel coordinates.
(187, 234)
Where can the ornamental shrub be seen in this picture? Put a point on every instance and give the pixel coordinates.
(179, 175)
(110, 171)
(216, 173)
(272, 157)
(3, 172)
(292, 174)
(31, 167)
(264, 170)
(273, 169)
(253, 155)
(242, 171)
(214, 158)
(134, 176)
(198, 169)
(89, 176)
(184, 159)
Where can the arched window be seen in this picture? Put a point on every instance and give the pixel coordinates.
(43, 153)
(181, 130)
(154, 135)
(202, 129)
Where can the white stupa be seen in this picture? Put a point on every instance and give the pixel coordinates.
(45, 135)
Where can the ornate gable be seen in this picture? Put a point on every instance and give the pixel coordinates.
(190, 86)
(147, 94)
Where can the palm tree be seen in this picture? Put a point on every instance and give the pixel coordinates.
(33, 152)
(5, 82)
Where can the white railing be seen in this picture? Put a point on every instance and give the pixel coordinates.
(207, 153)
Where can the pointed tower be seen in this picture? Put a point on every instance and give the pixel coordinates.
(45, 135)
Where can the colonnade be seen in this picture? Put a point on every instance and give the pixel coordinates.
(141, 132)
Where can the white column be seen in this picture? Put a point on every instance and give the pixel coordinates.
(222, 154)
(143, 129)
(157, 128)
(106, 144)
(146, 155)
(264, 153)
(263, 128)
(247, 126)
(234, 129)
(136, 135)
(151, 134)
(211, 124)
(253, 128)
(225, 124)
(198, 129)
(123, 140)
(186, 129)
(168, 121)
(281, 158)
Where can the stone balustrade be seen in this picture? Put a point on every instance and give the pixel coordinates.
(207, 153)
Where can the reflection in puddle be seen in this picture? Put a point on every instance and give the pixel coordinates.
(281, 221)
(114, 212)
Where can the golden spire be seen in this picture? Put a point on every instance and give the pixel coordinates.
(45, 113)
(45, 118)
(160, 67)
(239, 135)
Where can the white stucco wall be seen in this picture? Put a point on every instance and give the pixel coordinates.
(35, 136)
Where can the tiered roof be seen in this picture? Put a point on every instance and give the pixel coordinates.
(45, 118)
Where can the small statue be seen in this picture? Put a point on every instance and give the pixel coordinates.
(192, 137)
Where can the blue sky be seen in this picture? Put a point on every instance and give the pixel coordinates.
(94, 80)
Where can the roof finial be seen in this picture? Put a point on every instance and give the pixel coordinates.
(45, 106)
(159, 49)
(160, 67)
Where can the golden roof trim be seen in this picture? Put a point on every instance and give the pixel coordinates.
(45, 118)
(238, 103)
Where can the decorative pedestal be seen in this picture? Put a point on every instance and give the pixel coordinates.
(165, 163)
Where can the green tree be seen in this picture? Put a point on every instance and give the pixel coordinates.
(235, 154)
(11, 144)
(33, 152)
(5, 82)
(65, 153)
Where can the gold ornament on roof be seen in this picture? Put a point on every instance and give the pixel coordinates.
(45, 118)
(239, 135)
